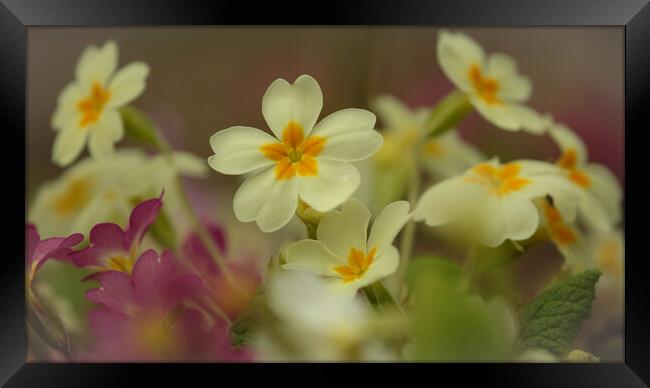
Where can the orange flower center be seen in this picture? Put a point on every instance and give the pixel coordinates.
(561, 233)
(76, 195)
(358, 264)
(485, 87)
(91, 107)
(569, 161)
(498, 180)
(295, 155)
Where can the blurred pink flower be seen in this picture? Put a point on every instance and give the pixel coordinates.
(219, 292)
(113, 249)
(142, 318)
(38, 251)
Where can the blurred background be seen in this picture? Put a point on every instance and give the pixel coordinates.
(204, 79)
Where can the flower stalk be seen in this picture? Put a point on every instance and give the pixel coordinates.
(447, 113)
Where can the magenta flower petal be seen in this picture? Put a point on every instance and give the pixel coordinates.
(195, 251)
(152, 276)
(107, 323)
(108, 240)
(32, 238)
(142, 217)
(108, 236)
(116, 292)
(39, 251)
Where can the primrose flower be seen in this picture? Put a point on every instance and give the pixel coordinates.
(38, 251)
(113, 249)
(219, 292)
(345, 253)
(493, 202)
(92, 191)
(443, 156)
(491, 83)
(600, 205)
(315, 324)
(141, 317)
(87, 109)
(302, 160)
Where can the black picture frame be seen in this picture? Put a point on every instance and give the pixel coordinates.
(17, 16)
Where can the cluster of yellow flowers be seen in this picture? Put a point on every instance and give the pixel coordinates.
(310, 168)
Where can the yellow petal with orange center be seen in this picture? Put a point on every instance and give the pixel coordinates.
(485, 87)
(358, 264)
(91, 107)
(295, 155)
(498, 180)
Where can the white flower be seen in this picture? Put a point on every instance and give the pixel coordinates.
(600, 205)
(492, 202)
(491, 83)
(443, 156)
(91, 191)
(304, 160)
(88, 107)
(345, 253)
(314, 323)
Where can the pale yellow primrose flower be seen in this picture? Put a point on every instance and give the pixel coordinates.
(568, 239)
(491, 83)
(318, 324)
(492, 202)
(443, 156)
(304, 160)
(345, 253)
(91, 191)
(600, 206)
(87, 109)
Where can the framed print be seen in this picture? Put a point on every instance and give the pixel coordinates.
(436, 188)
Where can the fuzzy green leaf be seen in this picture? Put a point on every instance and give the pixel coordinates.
(552, 320)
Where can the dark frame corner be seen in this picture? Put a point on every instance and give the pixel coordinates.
(17, 16)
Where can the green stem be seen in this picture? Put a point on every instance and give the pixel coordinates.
(379, 297)
(447, 113)
(311, 231)
(408, 235)
(470, 267)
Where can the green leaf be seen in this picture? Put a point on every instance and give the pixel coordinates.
(138, 126)
(552, 320)
(449, 323)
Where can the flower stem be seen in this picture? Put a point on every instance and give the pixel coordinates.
(447, 113)
(470, 267)
(379, 297)
(408, 235)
